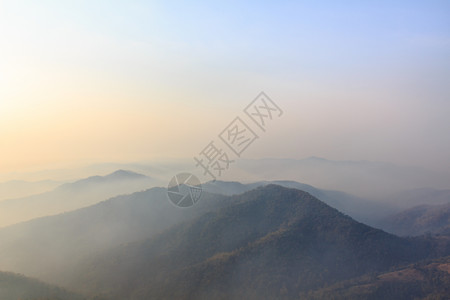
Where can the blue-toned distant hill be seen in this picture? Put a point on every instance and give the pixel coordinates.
(363, 210)
(14, 287)
(364, 179)
(72, 196)
(29, 246)
(94, 181)
(20, 188)
(423, 219)
(269, 243)
(49, 247)
(139, 246)
(420, 196)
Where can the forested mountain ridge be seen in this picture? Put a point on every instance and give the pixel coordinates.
(271, 243)
(422, 281)
(40, 247)
(15, 286)
(423, 219)
(72, 196)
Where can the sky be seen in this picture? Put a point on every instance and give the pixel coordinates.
(86, 82)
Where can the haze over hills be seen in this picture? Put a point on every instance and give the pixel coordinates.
(420, 196)
(324, 124)
(363, 210)
(95, 181)
(71, 196)
(271, 243)
(40, 247)
(369, 208)
(20, 188)
(160, 171)
(425, 280)
(433, 219)
(362, 178)
(117, 247)
(28, 247)
(14, 287)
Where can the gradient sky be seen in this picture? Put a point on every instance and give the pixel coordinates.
(98, 81)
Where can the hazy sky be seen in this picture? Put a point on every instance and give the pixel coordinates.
(97, 81)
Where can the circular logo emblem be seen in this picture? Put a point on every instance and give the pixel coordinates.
(184, 190)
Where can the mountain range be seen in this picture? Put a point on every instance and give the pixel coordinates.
(40, 247)
(264, 240)
(20, 188)
(363, 210)
(424, 280)
(366, 179)
(29, 246)
(419, 220)
(71, 196)
(15, 286)
(269, 243)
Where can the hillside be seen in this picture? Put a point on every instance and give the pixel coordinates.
(434, 219)
(422, 281)
(20, 188)
(272, 243)
(364, 179)
(421, 196)
(30, 246)
(363, 210)
(14, 286)
(40, 247)
(71, 196)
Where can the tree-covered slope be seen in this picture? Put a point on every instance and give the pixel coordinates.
(428, 280)
(272, 243)
(14, 287)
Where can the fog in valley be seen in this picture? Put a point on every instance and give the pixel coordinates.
(238, 150)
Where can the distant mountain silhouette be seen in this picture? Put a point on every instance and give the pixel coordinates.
(32, 246)
(14, 287)
(270, 243)
(422, 196)
(363, 210)
(28, 247)
(70, 196)
(118, 175)
(434, 219)
(365, 179)
(20, 188)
